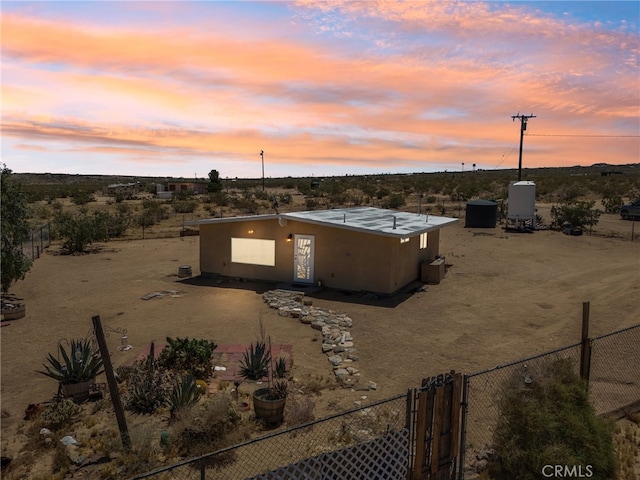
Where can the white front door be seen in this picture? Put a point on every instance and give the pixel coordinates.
(303, 258)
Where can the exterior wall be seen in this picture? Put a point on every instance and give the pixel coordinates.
(343, 259)
(187, 186)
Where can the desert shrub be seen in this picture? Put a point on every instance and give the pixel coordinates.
(550, 422)
(431, 199)
(311, 203)
(206, 426)
(578, 213)
(395, 200)
(192, 356)
(81, 230)
(59, 414)
(284, 198)
(219, 198)
(147, 387)
(382, 192)
(82, 197)
(184, 206)
(299, 409)
(612, 203)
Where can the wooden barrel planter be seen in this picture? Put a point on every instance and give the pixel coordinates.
(185, 271)
(18, 311)
(270, 411)
(78, 392)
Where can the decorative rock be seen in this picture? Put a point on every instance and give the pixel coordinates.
(346, 344)
(353, 358)
(352, 371)
(373, 386)
(306, 320)
(317, 325)
(335, 360)
(341, 373)
(45, 432)
(337, 349)
(326, 347)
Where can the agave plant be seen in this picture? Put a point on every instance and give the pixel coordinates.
(184, 393)
(81, 364)
(256, 361)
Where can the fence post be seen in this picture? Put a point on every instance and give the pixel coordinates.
(585, 346)
(463, 426)
(111, 381)
(410, 422)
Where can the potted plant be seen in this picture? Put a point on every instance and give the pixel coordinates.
(77, 371)
(268, 402)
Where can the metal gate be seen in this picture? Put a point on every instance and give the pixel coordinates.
(436, 427)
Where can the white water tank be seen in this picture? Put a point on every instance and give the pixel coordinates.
(522, 200)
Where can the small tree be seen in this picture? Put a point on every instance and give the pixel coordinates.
(79, 231)
(15, 230)
(215, 184)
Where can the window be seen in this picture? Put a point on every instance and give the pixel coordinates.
(404, 240)
(423, 241)
(253, 251)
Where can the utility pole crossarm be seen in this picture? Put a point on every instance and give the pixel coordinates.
(523, 127)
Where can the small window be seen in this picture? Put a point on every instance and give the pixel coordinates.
(404, 240)
(253, 251)
(423, 241)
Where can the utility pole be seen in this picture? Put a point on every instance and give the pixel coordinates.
(262, 156)
(523, 127)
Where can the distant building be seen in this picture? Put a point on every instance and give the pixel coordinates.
(125, 189)
(166, 191)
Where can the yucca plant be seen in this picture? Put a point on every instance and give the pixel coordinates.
(184, 393)
(280, 368)
(81, 364)
(256, 361)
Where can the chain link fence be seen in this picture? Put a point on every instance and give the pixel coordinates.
(39, 239)
(614, 383)
(379, 429)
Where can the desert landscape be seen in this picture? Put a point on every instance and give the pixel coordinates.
(505, 296)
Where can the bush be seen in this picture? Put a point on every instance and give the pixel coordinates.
(82, 197)
(184, 206)
(206, 427)
(190, 356)
(59, 414)
(147, 387)
(81, 230)
(576, 212)
(612, 203)
(550, 422)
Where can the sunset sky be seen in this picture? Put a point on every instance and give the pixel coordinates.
(328, 87)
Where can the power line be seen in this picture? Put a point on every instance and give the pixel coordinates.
(577, 135)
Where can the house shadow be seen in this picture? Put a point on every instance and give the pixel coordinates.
(311, 291)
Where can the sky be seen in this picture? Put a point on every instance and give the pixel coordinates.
(322, 88)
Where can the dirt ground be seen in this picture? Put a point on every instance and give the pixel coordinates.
(505, 296)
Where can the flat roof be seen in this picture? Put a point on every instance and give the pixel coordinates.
(377, 221)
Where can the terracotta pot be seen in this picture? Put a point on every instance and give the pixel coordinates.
(270, 411)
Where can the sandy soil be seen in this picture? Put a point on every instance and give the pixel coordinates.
(505, 296)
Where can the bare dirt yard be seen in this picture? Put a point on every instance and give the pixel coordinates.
(505, 296)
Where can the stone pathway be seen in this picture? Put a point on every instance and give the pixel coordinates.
(337, 341)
